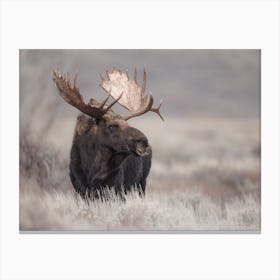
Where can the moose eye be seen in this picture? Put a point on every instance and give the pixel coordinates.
(113, 127)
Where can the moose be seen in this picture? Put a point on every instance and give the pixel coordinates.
(106, 152)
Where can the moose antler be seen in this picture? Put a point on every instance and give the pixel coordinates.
(72, 96)
(128, 93)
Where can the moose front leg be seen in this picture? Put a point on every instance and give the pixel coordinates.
(77, 175)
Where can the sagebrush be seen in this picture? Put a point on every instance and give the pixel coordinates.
(205, 176)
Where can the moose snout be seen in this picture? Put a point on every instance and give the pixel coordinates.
(142, 148)
(138, 142)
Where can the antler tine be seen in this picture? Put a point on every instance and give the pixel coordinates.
(156, 110)
(75, 80)
(143, 88)
(105, 100)
(101, 77)
(113, 103)
(67, 79)
(142, 111)
(127, 76)
(107, 74)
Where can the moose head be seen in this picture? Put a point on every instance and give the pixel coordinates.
(106, 151)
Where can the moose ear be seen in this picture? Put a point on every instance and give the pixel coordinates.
(84, 124)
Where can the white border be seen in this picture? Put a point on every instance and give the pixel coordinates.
(159, 24)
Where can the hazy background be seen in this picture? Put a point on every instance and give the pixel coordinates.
(206, 154)
(223, 83)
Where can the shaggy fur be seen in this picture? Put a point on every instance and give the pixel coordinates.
(108, 155)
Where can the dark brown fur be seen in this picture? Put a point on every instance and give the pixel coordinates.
(108, 153)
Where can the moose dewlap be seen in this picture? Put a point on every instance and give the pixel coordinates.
(106, 152)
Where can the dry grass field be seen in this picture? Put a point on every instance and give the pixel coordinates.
(205, 175)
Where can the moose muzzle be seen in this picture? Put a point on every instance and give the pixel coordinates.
(142, 149)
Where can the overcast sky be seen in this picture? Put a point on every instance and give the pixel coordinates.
(223, 83)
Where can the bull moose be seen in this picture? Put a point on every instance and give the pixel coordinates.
(106, 152)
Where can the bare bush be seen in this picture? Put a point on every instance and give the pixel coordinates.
(42, 163)
(39, 160)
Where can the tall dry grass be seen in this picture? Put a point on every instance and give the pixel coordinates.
(205, 176)
(158, 211)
